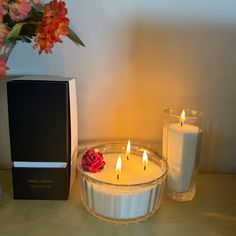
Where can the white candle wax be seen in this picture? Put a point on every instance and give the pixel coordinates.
(114, 201)
(180, 148)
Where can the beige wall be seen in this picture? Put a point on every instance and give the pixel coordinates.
(140, 58)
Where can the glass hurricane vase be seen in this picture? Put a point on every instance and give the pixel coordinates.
(6, 49)
(5, 52)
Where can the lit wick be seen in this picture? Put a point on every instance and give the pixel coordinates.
(117, 176)
(145, 160)
(118, 168)
(182, 118)
(128, 150)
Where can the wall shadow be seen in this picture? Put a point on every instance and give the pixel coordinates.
(190, 66)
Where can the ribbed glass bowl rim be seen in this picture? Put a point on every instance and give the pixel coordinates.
(176, 112)
(152, 182)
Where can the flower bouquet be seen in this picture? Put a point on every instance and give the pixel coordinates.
(28, 20)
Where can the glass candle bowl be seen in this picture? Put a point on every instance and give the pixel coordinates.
(182, 133)
(123, 203)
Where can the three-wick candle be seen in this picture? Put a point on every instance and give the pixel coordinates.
(125, 188)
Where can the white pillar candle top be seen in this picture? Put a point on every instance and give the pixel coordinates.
(132, 170)
(186, 128)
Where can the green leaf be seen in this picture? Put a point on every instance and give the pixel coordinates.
(74, 37)
(15, 31)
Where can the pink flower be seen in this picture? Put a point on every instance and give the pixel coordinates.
(3, 68)
(92, 161)
(19, 9)
(3, 32)
(3, 7)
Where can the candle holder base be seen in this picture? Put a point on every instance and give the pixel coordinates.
(117, 220)
(182, 196)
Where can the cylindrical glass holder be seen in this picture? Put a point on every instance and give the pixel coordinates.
(182, 134)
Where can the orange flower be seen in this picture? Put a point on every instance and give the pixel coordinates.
(54, 24)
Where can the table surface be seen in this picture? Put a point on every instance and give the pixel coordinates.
(212, 212)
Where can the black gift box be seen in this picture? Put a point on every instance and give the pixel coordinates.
(43, 136)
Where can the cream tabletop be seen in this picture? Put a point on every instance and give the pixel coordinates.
(212, 212)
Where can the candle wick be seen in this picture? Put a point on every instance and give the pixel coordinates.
(127, 157)
(181, 123)
(144, 167)
(117, 176)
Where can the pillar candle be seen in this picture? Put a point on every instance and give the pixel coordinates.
(180, 147)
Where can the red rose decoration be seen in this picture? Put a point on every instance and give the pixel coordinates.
(92, 161)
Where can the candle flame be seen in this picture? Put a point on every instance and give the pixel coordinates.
(118, 167)
(128, 150)
(182, 118)
(145, 160)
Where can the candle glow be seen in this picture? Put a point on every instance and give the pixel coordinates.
(128, 150)
(182, 118)
(145, 160)
(118, 168)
